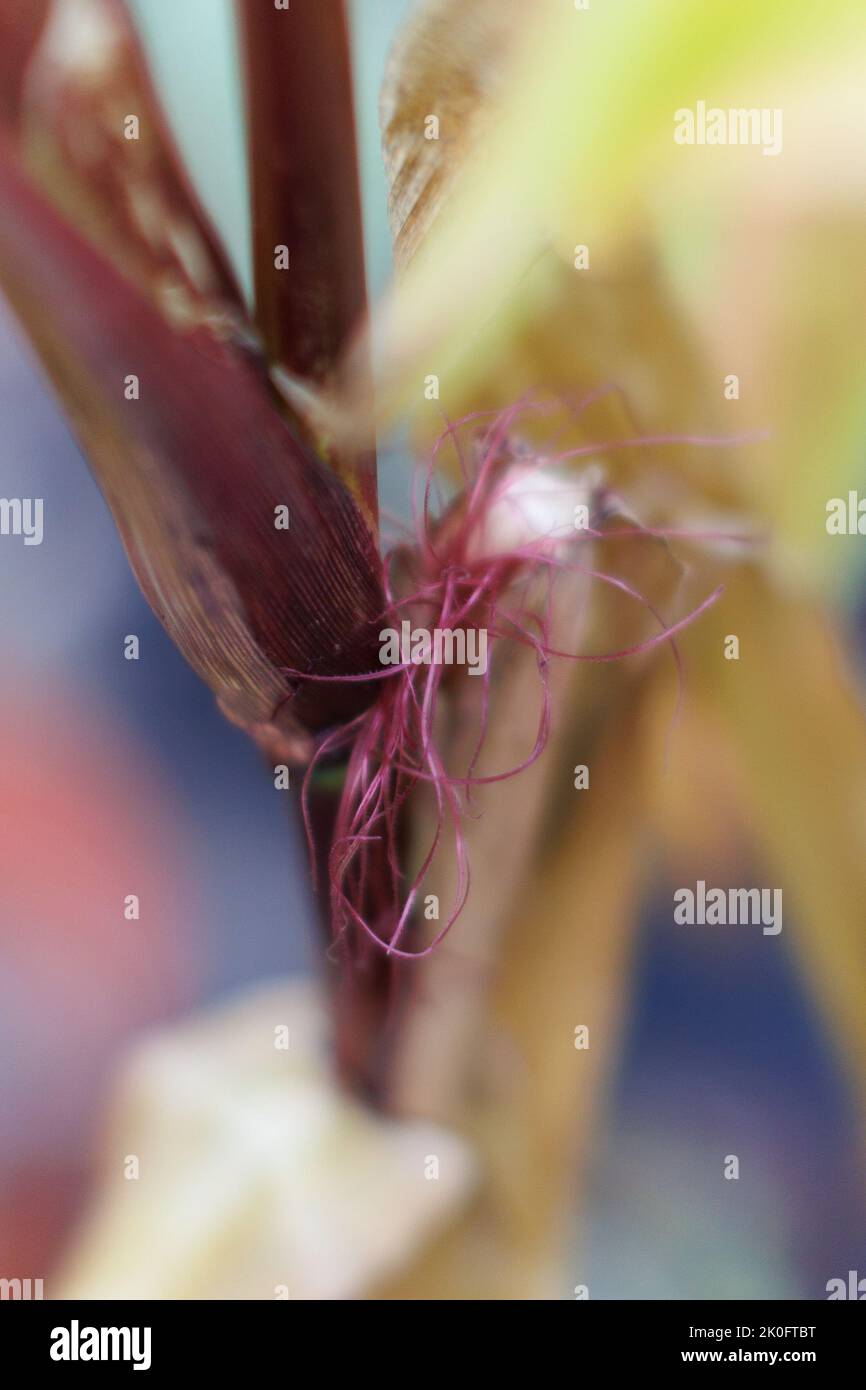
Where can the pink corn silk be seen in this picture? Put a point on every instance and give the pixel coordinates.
(391, 746)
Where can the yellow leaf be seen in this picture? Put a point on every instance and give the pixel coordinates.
(583, 133)
(793, 713)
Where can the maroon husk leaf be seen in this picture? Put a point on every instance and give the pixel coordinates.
(305, 196)
(21, 23)
(131, 197)
(193, 471)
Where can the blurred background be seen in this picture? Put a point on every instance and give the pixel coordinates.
(121, 777)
